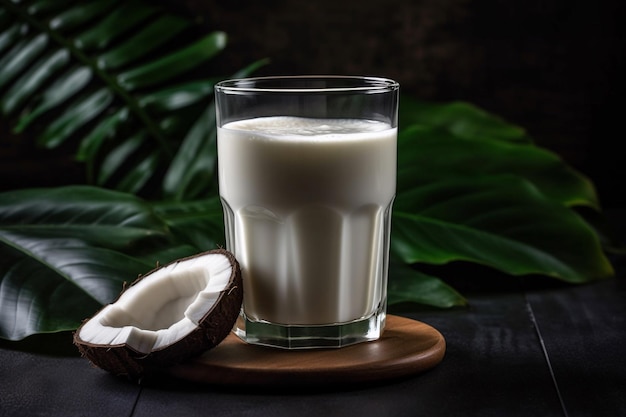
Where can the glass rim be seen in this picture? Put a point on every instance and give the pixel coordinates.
(369, 84)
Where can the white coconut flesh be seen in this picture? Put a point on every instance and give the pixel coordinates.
(161, 310)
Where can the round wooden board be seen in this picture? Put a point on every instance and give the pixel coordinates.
(407, 347)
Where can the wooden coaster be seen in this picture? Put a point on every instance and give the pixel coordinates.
(407, 347)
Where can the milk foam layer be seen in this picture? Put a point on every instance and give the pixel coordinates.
(292, 128)
(307, 207)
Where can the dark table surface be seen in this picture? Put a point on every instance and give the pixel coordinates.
(524, 347)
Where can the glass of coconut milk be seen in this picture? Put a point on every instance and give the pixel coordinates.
(307, 177)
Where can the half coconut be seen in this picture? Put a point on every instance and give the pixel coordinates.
(165, 317)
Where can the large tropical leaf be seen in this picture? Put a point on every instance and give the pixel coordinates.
(459, 140)
(408, 285)
(427, 154)
(104, 75)
(503, 222)
(459, 118)
(64, 252)
(472, 187)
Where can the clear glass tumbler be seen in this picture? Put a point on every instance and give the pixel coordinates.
(307, 178)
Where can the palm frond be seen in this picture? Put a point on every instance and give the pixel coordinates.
(116, 80)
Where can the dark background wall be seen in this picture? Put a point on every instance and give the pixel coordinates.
(555, 67)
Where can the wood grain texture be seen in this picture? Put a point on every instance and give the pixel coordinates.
(407, 347)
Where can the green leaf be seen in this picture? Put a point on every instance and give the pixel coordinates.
(431, 154)
(174, 64)
(32, 80)
(65, 86)
(177, 97)
(81, 14)
(190, 173)
(10, 35)
(107, 128)
(139, 174)
(64, 252)
(114, 26)
(40, 7)
(118, 156)
(199, 223)
(81, 212)
(145, 41)
(502, 222)
(36, 295)
(22, 55)
(75, 68)
(409, 285)
(459, 118)
(75, 117)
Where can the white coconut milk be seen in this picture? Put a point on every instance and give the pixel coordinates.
(307, 206)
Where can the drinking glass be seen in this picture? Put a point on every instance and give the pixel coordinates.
(307, 178)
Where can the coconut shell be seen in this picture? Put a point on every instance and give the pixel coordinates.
(215, 325)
